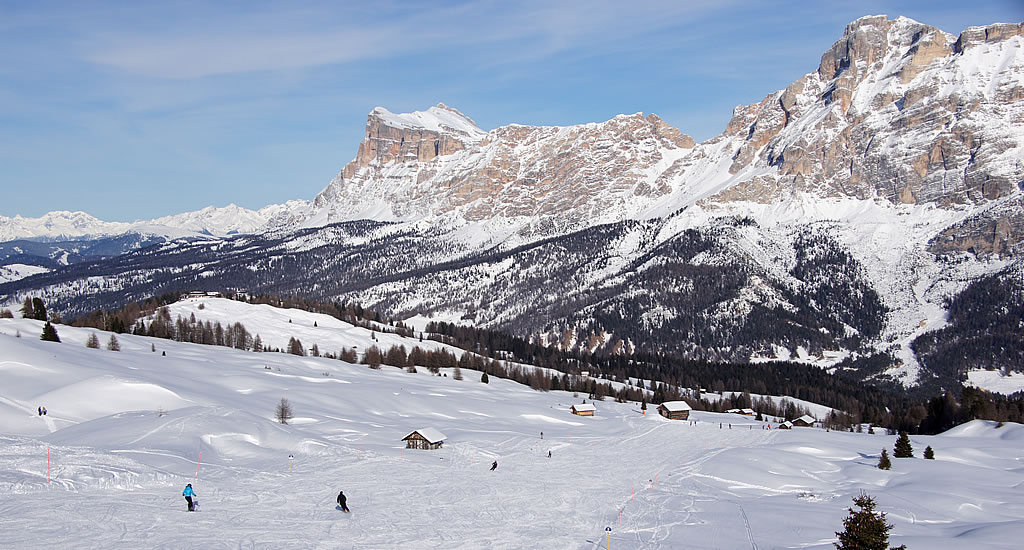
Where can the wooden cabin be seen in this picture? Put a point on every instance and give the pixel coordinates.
(585, 409)
(804, 421)
(427, 438)
(675, 410)
(787, 425)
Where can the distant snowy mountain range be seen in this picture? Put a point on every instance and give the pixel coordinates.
(832, 222)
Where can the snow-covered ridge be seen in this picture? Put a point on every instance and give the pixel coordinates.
(207, 222)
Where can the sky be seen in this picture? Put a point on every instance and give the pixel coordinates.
(136, 110)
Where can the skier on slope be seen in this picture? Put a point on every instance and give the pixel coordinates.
(188, 493)
(494, 465)
(342, 501)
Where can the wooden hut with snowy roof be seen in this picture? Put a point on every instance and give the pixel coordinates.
(426, 438)
(805, 421)
(584, 409)
(675, 410)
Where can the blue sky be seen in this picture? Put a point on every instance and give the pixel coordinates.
(129, 111)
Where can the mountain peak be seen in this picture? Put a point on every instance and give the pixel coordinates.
(441, 119)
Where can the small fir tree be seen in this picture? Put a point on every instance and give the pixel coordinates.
(283, 412)
(865, 529)
(38, 309)
(113, 344)
(92, 342)
(883, 461)
(903, 449)
(49, 333)
(929, 453)
(457, 373)
(26, 309)
(483, 378)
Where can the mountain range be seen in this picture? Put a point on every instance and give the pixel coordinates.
(845, 220)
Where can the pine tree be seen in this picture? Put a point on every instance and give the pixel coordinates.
(93, 341)
(903, 449)
(113, 344)
(38, 309)
(883, 461)
(283, 412)
(929, 453)
(457, 374)
(865, 529)
(483, 378)
(26, 309)
(49, 333)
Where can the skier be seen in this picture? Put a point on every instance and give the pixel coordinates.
(40, 410)
(494, 465)
(342, 500)
(188, 493)
(549, 454)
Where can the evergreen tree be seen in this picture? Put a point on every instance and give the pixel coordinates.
(257, 344)
(929, 453)
(26, 309)
(113, 344)
(93, 341)
(38, 309)
(283, 412)
(883, 461)
(865, 529)
(49, 333)
(903, 449)
(457, 373)
(483, 378)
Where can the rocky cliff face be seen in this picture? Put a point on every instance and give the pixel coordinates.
(897, 111)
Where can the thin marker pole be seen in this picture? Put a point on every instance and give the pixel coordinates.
(198, 462)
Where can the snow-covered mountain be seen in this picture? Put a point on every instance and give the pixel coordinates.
(126, 430)
(205, 223)
(832, 221)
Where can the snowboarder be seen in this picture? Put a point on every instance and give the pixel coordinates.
(40, 410)
(542, 435)
(494, 465)
(188, 493)
(342, 500)
(44, 411)
(549, 454)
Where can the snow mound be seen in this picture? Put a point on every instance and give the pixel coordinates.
(1008, 431)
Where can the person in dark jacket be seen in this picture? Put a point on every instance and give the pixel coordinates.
(188, 493)
(342, 500)
(494, 465)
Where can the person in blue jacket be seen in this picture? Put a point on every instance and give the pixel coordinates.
(188, 493)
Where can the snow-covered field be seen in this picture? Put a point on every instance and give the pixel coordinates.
(125, 431)
(996, 381)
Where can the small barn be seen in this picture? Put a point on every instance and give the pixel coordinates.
(675, 410)
(804, 421)
(427, 438)
(787, 425)
(585, 409)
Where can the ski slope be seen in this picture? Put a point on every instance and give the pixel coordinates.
(125, 431)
